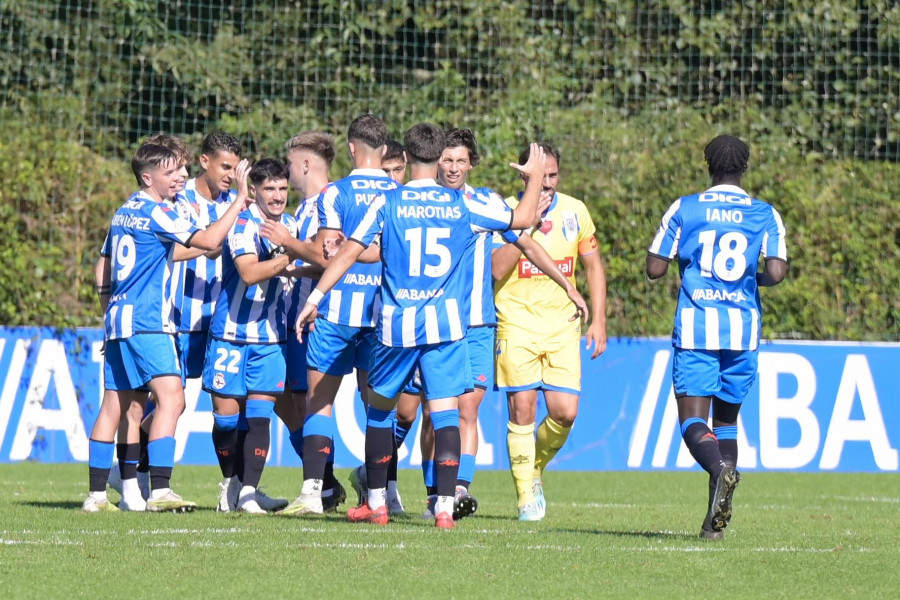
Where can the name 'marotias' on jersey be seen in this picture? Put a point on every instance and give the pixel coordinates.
(297, 290)
(480, 299)
(530, 305)
(252, 314)
(718, 236)
(199, 279)
(140, 247)
(342, 206)
(426, 232)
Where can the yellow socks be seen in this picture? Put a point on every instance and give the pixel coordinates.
(550, 438)
(520, 445)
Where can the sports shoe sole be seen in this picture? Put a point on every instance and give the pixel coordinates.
(721, 506)
(464, 506)
(172, 507)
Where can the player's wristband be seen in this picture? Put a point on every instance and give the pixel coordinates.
(315, 297)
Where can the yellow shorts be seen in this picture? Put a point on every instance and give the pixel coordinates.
(547, 364)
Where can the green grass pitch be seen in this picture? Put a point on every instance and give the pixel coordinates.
(611, 535)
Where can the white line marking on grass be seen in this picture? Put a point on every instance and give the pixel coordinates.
(6, 542)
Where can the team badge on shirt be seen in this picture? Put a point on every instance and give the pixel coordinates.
(570, 225)
(219, 381)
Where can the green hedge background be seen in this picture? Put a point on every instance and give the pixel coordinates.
(630, 91)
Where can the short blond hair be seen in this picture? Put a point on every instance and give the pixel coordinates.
(319, 143)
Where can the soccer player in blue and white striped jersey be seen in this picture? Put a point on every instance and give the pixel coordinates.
(425, 231)
(718, 237)
(203, 200)
(244, 371)
(140, 348)
(343, 337)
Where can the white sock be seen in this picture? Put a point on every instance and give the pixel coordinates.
(247, 492)
(99, 496)
(131, 488)
(392, 490)
(377, 497)
(311, 487)
(444, 504)
(157, 494)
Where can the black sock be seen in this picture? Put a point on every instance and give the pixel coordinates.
(729, 452)
(392, 466)
(225, 442)
(160, 477)
(316, 450)
(256, 447)
(704, 448)
(144, 460)
(98, 478)
(128, 455)
(446, 459)
(379, 447)
(239, 454)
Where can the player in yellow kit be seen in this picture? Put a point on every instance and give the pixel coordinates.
(537, 343)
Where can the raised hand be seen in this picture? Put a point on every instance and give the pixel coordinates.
(534, 167)
(241, 171)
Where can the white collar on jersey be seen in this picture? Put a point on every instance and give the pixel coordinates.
(725, 187)
(369, 172)
(422, 183)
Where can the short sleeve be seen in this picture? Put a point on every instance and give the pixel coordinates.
(243, 237)
(168, 225)
(106, 250)
(774, 245)
(487, 210)
(372, 223)
(665, 244)
(329, 209)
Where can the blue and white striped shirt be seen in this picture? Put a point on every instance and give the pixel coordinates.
(252, 314)
(718, 236)
(199, 279)
(140, 247)
(426, 240)
(297, 291)
(342, 206)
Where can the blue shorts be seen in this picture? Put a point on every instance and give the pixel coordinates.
(296, 361)
(240, 370)
(444, 369)
(132, 362)
(338, 349)
(726, 374)
(481, 354)
(193, 352)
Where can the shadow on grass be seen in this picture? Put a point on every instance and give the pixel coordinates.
(650, 535)
(54, 504)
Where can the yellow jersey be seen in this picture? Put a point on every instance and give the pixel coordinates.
(529, 304)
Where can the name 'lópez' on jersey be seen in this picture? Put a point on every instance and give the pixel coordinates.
(718, 237)
(140, 247)
(253, 314)
(426, 233)
(342, 206)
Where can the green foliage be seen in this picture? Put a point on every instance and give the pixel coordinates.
(629, 90)
(55, 205)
